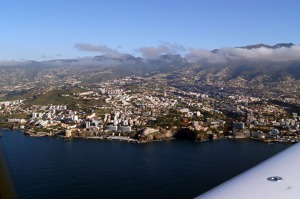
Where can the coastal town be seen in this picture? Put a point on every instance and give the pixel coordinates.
(146, 108)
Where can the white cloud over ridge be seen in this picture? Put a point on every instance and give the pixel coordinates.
(101, 48)
(234, 54)
(194, 55)
(164, 48)
(11, 62)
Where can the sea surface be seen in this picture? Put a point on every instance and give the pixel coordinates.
(55, 168)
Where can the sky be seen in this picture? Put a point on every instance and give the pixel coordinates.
(63, 29)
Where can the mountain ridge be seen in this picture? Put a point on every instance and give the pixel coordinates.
(236, 62)
(279, 45)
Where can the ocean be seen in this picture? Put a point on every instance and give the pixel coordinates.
(51, 167)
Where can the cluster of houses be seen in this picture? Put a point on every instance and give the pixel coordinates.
(126, 108)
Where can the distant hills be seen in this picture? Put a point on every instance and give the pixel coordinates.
(279, 45)
(276, 63)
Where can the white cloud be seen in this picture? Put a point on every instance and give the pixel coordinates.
(194, 55)
(164, 48)
(233, 54)
(101, 48)
(11, 62)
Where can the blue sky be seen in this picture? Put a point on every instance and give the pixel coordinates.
(50, 29)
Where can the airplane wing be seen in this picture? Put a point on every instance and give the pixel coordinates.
(278, 177)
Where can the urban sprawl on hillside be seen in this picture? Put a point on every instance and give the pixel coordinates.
(147, 108)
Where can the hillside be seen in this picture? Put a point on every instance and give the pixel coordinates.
(258, 64)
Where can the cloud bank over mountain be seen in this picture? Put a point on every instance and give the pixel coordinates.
(236, 54)
(280, 62)
(276, 53)
(112, 57)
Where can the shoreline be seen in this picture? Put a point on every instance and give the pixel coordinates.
(132, 140)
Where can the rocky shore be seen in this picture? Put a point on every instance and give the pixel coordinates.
(142, 136)
(145, 135)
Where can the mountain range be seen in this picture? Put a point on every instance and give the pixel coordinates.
(276, 63)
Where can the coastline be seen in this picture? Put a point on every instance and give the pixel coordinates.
(30, 133)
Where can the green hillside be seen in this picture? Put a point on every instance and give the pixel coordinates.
(57, 97)
(54, 97)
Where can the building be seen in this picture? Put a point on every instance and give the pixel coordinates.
(125, 129)
(34, 115)
(111, 128)
(238, 125)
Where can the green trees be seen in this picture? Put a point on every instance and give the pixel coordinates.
(173, 118)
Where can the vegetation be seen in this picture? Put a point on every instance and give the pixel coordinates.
(17, 95)
(54, 97)
(6, 125)
(63, 97)
(100, 112)
(15, 114)
(173, 118)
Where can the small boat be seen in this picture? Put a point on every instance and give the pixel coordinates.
(1, 134)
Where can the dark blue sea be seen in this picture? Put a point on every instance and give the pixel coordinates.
(55, 168)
